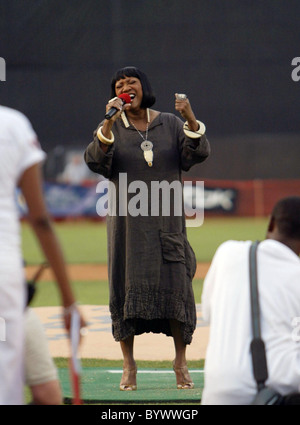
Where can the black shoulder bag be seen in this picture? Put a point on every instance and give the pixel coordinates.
(265, 395)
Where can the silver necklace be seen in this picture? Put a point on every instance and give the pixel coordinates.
(146, 146)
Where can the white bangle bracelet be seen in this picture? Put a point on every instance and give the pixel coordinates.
(194, 134)
(104, 139)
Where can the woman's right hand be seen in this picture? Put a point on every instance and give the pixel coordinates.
(114, 103)
(108, 124)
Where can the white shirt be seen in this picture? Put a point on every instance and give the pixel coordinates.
(19, 150)
(226, 306)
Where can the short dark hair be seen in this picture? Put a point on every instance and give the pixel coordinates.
(286, 214)
(131, 71)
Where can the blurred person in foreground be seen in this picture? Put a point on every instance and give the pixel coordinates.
(151, 263)
(40, 371)
(20, 165)
(41, 374)
(226, 306)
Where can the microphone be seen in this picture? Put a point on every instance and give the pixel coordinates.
(125, 99)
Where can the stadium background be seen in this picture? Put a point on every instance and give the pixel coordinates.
(233, 59)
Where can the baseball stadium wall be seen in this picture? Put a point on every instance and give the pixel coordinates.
(245, 198)
(232, 58)
(250, 198)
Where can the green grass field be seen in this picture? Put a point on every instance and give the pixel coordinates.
(84, 242)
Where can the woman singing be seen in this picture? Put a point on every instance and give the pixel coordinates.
(150, 261)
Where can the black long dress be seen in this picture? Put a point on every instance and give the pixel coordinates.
(150, 261)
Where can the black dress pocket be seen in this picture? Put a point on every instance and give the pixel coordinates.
(173, 247)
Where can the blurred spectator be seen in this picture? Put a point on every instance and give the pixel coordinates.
(75, 171)
(226, 307)
(40, 371)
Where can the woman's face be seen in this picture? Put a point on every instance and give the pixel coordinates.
(131, 86)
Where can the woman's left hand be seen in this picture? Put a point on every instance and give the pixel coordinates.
(183, 106)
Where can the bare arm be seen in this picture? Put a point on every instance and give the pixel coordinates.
(31, 186)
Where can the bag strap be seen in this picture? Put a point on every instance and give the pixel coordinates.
(257, 345)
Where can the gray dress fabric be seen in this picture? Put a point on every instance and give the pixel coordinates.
(150, 261)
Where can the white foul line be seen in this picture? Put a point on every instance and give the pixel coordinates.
(156, 371)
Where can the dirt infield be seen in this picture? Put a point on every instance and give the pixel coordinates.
(96, 272)
(99, 342)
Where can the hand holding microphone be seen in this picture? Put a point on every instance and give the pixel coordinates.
(114, 106)
(183, 106)
(124, 97)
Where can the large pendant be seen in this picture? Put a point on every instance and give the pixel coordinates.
(147, 146)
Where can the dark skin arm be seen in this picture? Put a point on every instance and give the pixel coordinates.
(31, 186)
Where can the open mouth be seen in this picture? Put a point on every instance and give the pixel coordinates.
(132, 96)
